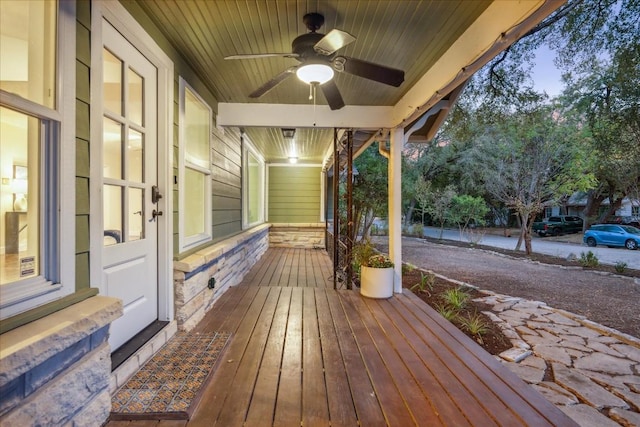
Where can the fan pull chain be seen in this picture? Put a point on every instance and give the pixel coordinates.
(312, 95)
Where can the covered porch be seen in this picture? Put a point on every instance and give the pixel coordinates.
(302, 353)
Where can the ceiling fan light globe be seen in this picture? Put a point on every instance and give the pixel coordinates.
(315, 73)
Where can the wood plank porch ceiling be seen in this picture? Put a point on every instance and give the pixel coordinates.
(305, 354)
(423, 38)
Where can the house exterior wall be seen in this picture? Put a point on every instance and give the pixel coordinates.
(83, 101)
(227, 183)
(294, 194)
(62, 375)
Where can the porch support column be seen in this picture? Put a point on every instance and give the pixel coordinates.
(395, 205)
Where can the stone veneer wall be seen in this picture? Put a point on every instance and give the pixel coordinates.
(297, 235)
(56, 370)
(227, 261)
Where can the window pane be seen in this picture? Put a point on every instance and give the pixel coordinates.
(136, 214)
(19, 195)
(112, 84)
(194, 202)
(112, 214)
(254, 189)
(197, 131)
(135, 148)
(135, 98)
(28, 49)
(112, 149)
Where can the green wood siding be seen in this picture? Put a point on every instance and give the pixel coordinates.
(83, 90)
(294, 194)
(226, 175)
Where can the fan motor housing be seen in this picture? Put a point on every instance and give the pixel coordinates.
(303, 45)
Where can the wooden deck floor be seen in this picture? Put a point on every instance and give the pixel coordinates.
(307, 355)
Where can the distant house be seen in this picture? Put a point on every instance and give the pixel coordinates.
(578, 201)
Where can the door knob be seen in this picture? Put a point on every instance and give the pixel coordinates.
(154, 215)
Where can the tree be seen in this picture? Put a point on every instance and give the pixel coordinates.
(466, 210)
(596, 43)
(528, 159)
(369, 190)
(439, 205)
(606, 98)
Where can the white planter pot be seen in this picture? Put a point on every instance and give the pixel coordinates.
(376, 282)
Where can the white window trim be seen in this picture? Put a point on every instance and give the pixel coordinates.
(185, 242)
(57, 254)
(247, 147)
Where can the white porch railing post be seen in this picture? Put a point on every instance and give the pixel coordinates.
(395, 205)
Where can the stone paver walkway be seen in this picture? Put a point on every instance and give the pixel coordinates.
(589, 371)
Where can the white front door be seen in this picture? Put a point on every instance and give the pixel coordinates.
(129, 184)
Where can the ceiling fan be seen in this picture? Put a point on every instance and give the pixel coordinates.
(316, 53)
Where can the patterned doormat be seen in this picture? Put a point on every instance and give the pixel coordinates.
(169, 385)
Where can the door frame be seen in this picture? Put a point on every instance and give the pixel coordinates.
(121, 20)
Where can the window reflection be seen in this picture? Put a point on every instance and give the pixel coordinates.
(28, 46)
(19, 207)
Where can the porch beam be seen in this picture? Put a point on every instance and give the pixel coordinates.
(395, 205)
(300, 116)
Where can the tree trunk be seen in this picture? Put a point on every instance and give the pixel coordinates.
(409, 215)
(594, 200)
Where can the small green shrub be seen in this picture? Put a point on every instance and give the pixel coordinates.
(456, 298)
(408, 268)
(621, 266)
(475, 325)
(362, 251)
(589, 259)
(418, 230)
(426, 283)
(447, 312)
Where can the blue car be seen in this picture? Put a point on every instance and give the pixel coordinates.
(613, 235)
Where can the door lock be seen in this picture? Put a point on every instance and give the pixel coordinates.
(155, 194)
(155, 214)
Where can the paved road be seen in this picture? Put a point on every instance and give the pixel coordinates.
(605, 255)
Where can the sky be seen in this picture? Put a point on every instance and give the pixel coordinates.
(545, 75)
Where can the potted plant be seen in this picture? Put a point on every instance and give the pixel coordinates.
(376, 277)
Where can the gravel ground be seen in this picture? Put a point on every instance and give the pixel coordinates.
(607, 299)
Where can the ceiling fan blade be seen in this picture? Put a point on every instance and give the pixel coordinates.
(332, 95)
(262, 55)
(334, 40)
(272, 83)
(369, 70)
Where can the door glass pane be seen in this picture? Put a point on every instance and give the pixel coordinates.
(19, 195)
(194, 202)
(112, 214)
(136, 214)
(197, 131)
(135, 148)
(134, 105)
(112, 84)
(112, 149)
(28, 49)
